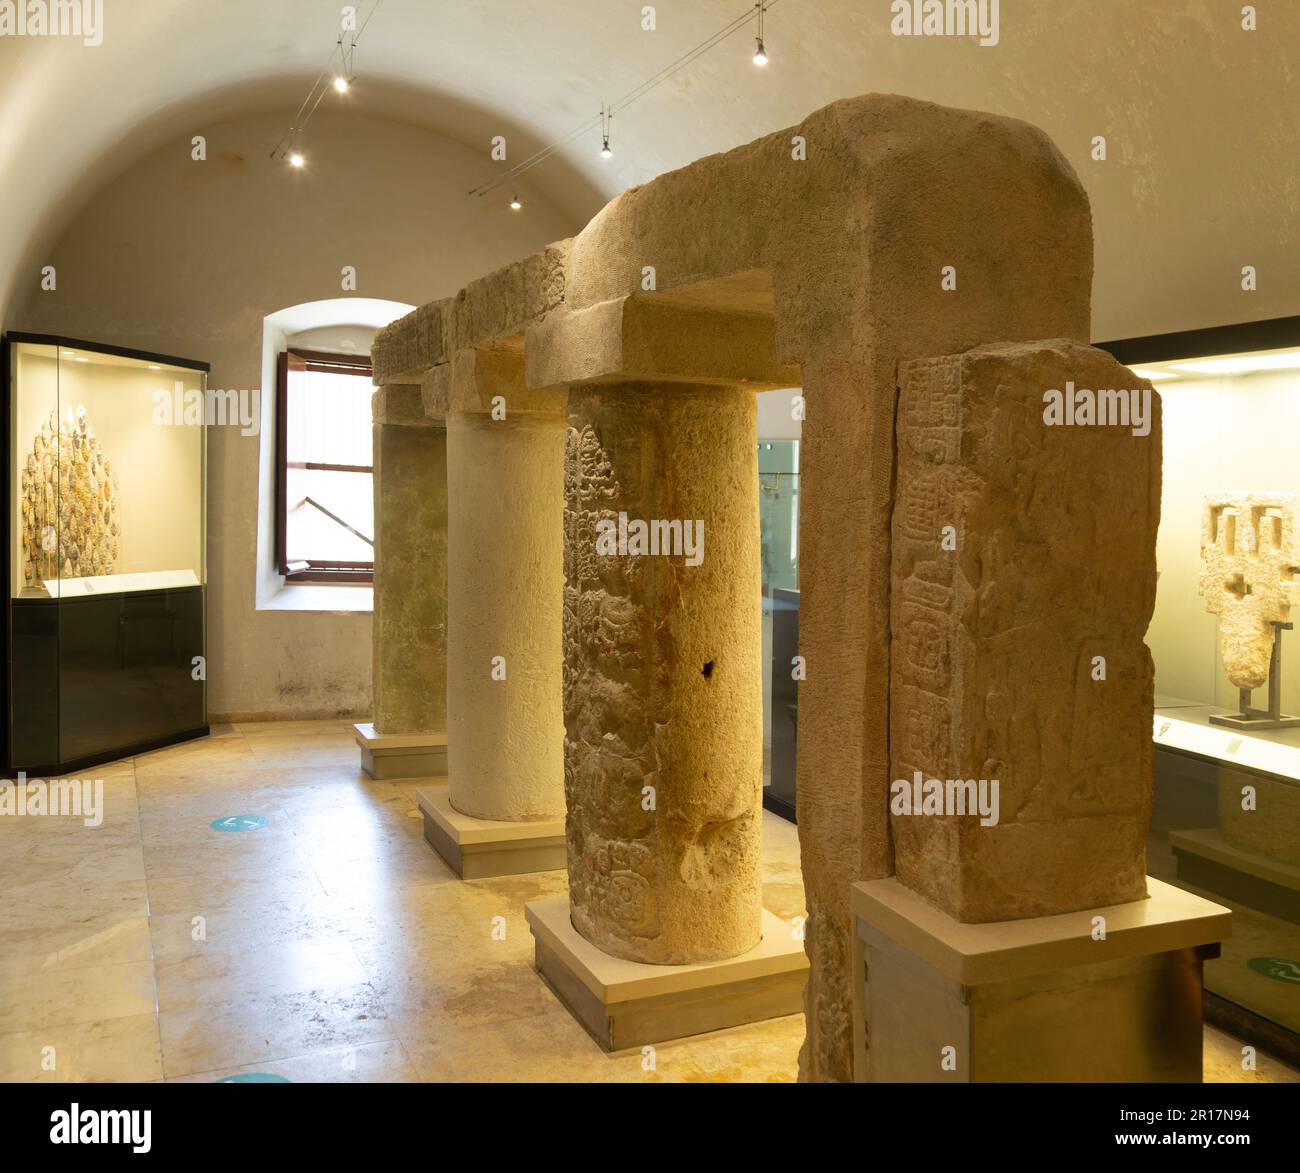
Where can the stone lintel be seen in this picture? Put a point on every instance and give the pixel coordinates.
(505, 303)
(640, 339)
(402, 755)
(402, 405)
(403, 350)
(631, 1004)
(472, 381)
(478, 848)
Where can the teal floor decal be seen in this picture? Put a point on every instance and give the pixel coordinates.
(238, 823)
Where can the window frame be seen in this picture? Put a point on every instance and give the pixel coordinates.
(300, 359)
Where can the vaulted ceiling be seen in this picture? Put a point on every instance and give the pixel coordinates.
(1203, 174)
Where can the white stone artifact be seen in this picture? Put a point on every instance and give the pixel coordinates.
(1252, 573)
(70, 522)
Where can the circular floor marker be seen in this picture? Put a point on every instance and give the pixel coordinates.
(1277, 968)
(238, 823)
(254, 1077)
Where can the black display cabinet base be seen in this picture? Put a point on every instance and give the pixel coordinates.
(103, 677)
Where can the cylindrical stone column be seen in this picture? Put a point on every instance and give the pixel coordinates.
(410, 592)
(506, 574)
(663, 699)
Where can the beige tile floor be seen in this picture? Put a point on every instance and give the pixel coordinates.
(330, 945)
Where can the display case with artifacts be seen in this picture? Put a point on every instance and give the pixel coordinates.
(1226, 818)
(104, 551)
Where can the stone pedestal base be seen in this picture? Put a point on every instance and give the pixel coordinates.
(1207, 860)
(414, 755)
(1036, 1000)
(478, 848)
(629, 1004)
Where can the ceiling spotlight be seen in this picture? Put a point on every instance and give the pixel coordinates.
(515, 204)
(296, 159)
(341, 84)
(760, 54)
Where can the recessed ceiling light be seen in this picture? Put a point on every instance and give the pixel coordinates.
(83, 360)
(69, 354)
(153, 366)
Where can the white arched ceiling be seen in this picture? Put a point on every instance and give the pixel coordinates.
(1200, 115)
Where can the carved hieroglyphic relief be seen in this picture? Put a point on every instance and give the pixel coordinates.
(1023, 571)
(609, 750)
(70, 522)
(1251, 578)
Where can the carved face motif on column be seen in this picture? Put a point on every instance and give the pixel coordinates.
(1252, 572)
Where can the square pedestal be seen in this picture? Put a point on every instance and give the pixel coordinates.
(402, 755)
(478, 848)
(628, 1004)
(1036, 1000)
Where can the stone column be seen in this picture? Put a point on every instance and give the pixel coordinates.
(504, 808)
(663, 705)
(408, 734)
(662, 682)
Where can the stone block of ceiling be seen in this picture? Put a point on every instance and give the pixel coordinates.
(504, 304)
(636, 339)
(403, 350)
(1023, 582)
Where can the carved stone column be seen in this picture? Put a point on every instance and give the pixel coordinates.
(662, 686)
(408, 734)
(663, 709)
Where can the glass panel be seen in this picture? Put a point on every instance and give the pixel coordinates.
(1226, 821)
(778, 477)
(110, 461)
(34, 516)
(329, 489)
(107, 552)
(34, 493)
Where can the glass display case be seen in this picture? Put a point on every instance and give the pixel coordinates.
(778, 483)
(104, 549)
(1226, 818)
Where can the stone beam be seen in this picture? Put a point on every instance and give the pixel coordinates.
(635, 339)
(492, 311)
(403, 350)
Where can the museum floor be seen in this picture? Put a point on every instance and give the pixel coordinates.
(337, 946)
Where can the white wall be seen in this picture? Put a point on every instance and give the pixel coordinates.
(188, 259)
